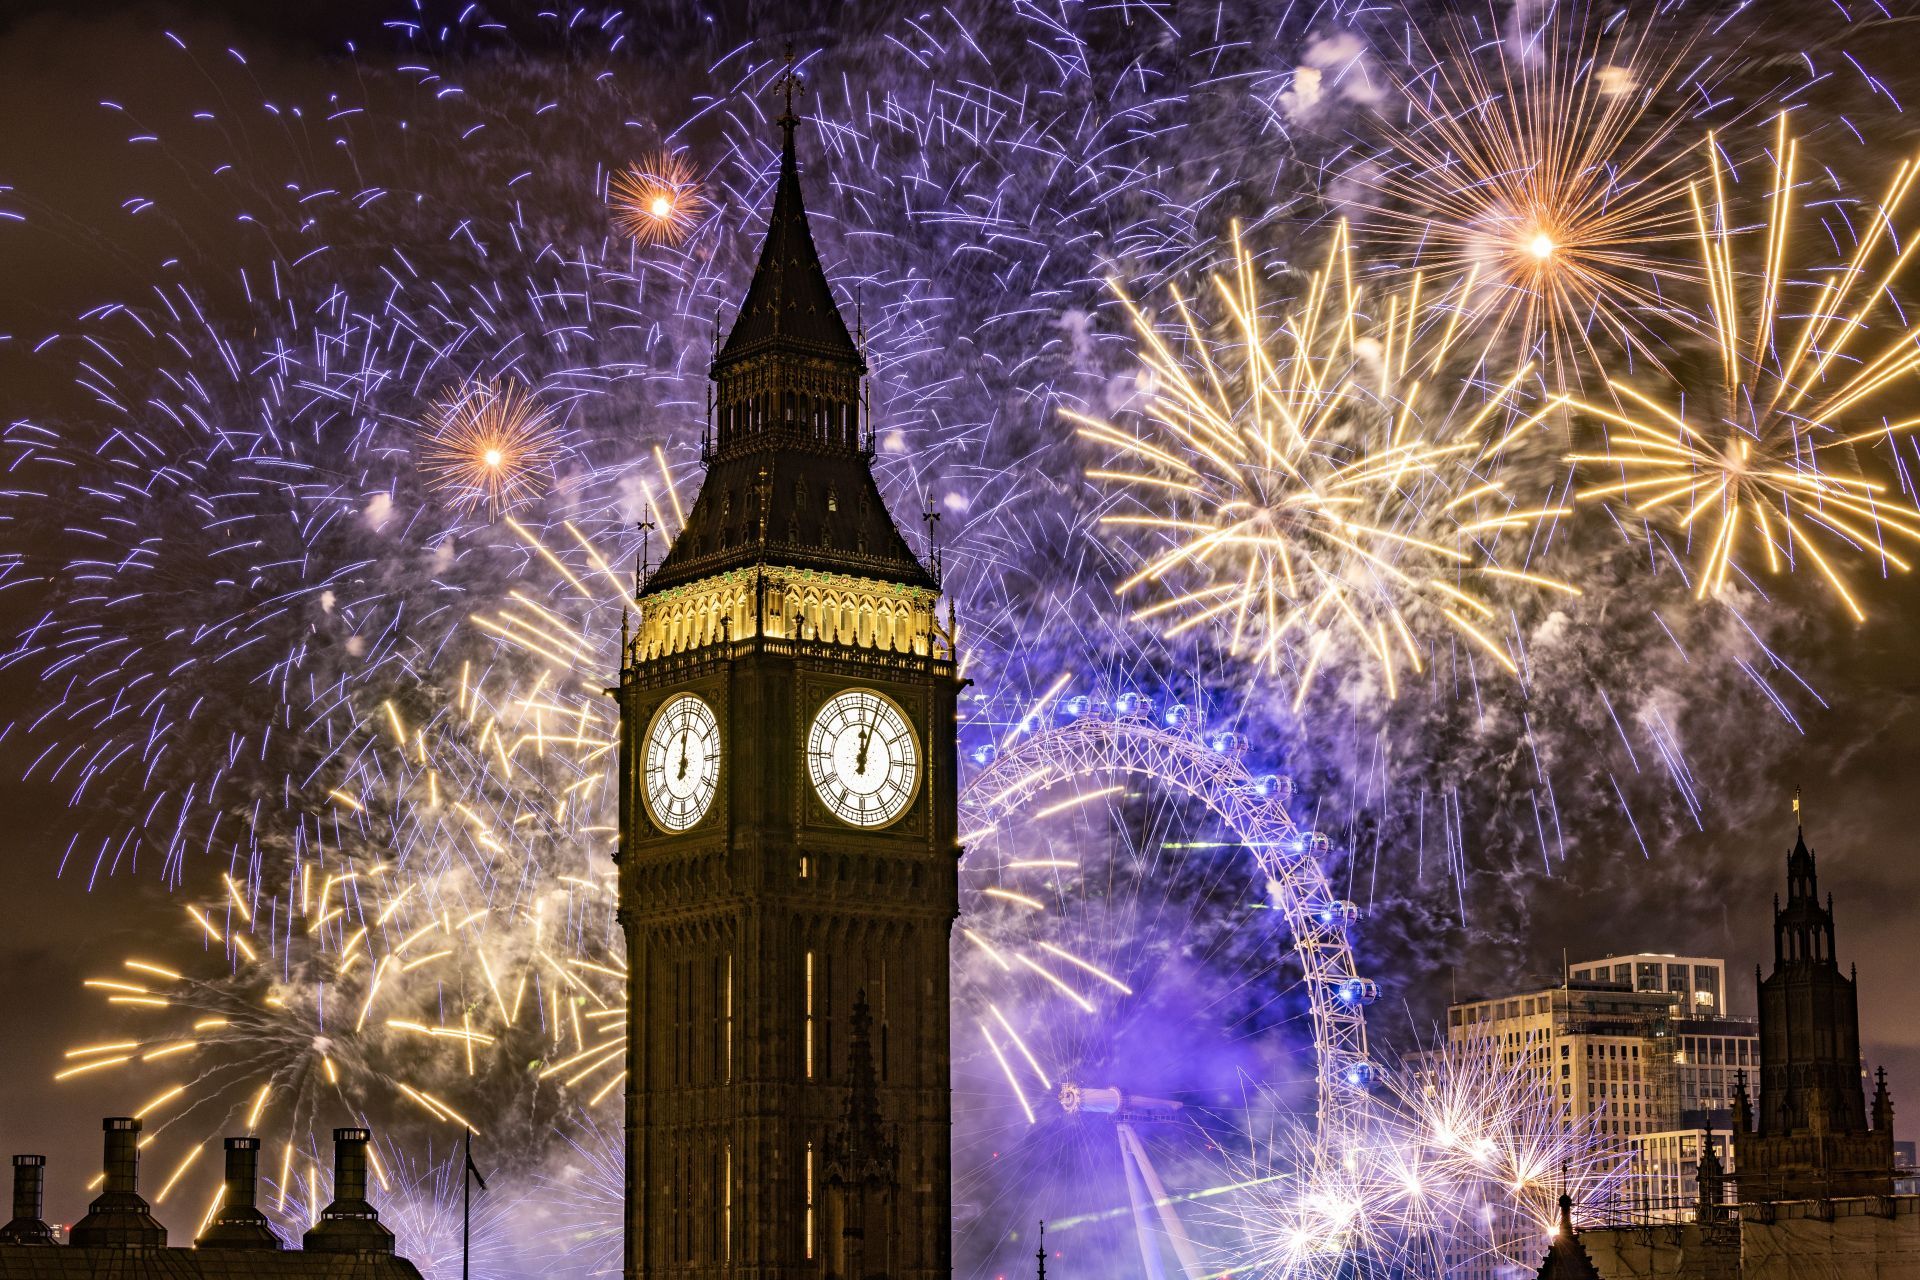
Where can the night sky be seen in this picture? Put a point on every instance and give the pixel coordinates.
(1708, 892)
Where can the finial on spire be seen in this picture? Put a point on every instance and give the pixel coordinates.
(646, 527)
(790, 83)
(931, 516)
(1797, 825)
(1040, 1254)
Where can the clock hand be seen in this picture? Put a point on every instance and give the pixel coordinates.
(866, 739)
(683, 756)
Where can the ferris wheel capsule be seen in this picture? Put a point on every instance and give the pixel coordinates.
(1273, 786)
(1133, 705)
(1357, 991)
(1336, 914)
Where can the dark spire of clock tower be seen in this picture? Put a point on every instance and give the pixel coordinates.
(788, 906)
(788, 446)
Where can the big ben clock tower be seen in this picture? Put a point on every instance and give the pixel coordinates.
(788, 870)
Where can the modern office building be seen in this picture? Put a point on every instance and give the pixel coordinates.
(1642, 1048)
(1601, 1047)
(1699, 981)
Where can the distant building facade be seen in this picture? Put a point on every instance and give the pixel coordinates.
(1665, 1185)
(120, 1239)
(1599, 1047)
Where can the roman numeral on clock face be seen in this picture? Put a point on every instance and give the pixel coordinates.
(681, 762)
(862, 757)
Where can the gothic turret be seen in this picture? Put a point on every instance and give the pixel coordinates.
(1567, 1258)
(1808, 1137)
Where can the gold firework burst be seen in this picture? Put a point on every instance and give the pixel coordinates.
(1776, 463)
(657, 200)
(490, 444)
(1320, 488)
(1536, 168)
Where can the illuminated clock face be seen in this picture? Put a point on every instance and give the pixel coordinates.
(861, 755)
(682, 762)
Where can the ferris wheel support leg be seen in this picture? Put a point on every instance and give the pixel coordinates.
(1150, 1199)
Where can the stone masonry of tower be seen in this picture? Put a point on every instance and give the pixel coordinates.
(788, 853)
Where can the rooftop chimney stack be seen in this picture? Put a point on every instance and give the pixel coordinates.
(29, 1184)
(349, 1224)
(118, 1217)
(237, 1224)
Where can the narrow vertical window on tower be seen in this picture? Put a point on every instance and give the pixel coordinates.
(809, 1200)
(809, 1036)
(726, 1212)
(729, 999)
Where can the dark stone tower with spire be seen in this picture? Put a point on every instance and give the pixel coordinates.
(788, 838)
(1809, 1138)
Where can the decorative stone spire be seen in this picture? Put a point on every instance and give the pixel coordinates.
(1712, 1181)
(789, 304)
(1566, 1257)
(862, 1160)
(862, 1149)
(1742, 1103)
(1882, 1102)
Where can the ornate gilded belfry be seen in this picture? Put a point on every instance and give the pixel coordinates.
(788, 849)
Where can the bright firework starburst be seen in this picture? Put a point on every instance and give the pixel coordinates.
(489, 444)
(1536, 167)
(1770, 469)
(1463, 1158)
(1313, 485)
(658, 200)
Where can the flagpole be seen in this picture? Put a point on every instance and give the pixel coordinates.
(466, 1207)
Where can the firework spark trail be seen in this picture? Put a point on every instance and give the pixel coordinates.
(418, 1195)
(658, 200)
(1322, 485)
(1464, 1159)
(349, 329)
(1538, 170)
(1773, 471)
(489, 445)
